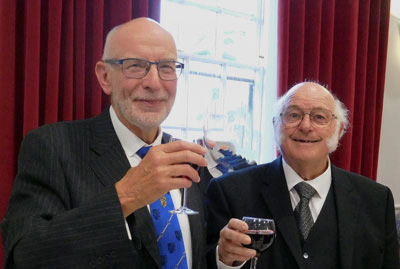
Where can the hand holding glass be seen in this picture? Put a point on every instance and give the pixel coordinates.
(262, 234)
(184, 209)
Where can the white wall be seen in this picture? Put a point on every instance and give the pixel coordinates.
(389, 151)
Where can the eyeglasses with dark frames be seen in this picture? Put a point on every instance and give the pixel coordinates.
(319, 117)
(138, 68)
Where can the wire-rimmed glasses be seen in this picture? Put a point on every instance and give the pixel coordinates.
(319, 117)
(138, 68)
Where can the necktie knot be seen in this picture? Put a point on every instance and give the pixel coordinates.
(305, 190)
(143, 151)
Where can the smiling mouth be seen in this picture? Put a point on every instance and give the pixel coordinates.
(151, 101)
(306, 141)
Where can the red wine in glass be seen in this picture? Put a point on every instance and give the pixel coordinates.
(262, 234)
(260, 239)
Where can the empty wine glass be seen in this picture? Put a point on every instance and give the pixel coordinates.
(184, 209)
(262, 234)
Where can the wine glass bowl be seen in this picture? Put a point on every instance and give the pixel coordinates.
(262, 234)
(184, 209)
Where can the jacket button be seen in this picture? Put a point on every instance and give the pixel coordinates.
(305, 255)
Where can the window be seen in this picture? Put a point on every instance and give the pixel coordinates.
(220, 43)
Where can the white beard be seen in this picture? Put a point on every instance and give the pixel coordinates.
(135, 117)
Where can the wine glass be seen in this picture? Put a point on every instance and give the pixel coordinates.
(262, 234)
(184, 209)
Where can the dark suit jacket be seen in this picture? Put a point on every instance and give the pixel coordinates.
(365, 212)
(64, 211)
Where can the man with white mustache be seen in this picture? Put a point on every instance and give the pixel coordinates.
(83, 192)
(325, 217)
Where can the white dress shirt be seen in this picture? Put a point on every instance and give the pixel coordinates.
(321, 184)
(131, 144)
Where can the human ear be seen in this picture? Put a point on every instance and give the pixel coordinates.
(341, 131)
(103, 78)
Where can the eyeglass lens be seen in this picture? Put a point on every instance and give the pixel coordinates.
(319, 117)
(136, 68)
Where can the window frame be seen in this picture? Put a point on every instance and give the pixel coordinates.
(259, 68)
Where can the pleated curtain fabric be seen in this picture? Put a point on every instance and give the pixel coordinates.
(343, 45)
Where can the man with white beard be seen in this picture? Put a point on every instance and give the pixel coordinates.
(87, 196)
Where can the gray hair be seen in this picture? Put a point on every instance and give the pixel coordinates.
(341, 113)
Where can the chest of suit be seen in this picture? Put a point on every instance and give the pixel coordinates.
(319, 251)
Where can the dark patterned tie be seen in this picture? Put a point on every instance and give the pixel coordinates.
(168, 232)
(302, 211)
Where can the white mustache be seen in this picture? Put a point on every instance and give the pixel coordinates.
(150, 98)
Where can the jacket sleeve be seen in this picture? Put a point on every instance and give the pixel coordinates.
(391, 256)
(45, 228)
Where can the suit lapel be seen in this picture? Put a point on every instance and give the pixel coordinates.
(143, 232)
(108, 161)
(347, 203)
(110, 164)
(276, 196)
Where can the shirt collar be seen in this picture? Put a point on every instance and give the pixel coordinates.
(321, 184)
(129, 141)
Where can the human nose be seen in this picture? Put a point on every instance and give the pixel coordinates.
(152, 79)
(305, 123)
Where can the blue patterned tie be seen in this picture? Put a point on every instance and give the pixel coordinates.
(168, 232)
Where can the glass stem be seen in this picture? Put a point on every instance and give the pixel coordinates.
(184, 197)
(253, 264)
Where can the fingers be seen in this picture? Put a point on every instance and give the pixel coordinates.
(209, 143)
(230, 244)
(181, 145)
(175, 173)
(165, 167)
(174, 164)
(177, 152)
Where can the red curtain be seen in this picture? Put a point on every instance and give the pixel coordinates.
(48, 50)
(342, 44)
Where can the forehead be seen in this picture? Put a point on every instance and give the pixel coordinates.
(148, 42)
(311, 96)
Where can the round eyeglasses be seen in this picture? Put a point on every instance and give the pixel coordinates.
(138, 68)
(319, 117)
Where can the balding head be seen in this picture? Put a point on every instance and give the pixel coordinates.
(143, 31)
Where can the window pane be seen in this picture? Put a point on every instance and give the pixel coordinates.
(205, 85)
(240, 108)
(249, 7)
(194, 29)
(175, 124)
(221, 31)
(212, 3)
(238, 40)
